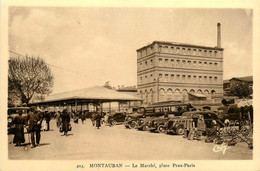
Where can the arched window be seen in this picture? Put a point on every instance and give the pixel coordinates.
(207, 94)
(199, 91)
(213, 93)
(169, 94)
(184, 95)
(192, 91)
(177, 95)
(161, 94)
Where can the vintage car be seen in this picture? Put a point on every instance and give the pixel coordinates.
(12, 113)
(116, 118)
(157, 124)
(174, 125)
(142, 123)
(131, 120)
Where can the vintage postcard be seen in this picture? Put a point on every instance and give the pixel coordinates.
(129, 86)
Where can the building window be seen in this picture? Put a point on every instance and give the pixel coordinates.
(172, 62)
(178, 77)
(160, 62)
(151, 62)
(210, 79)
(145, 79)
(194, 52)
(210, 53)
(172, 49)
(215, 79)
(151, 77)
(194, 64)
(189, 78)
(166, 77)
(145, 64)
(200, 78)
(189, 63)
(194, 78)
(151, 49)
(183, 63)
(172, 77)
(189, 51)
(183, 51)
(178, 63)
(184, 78)
(166, 62)
(200, 64)
(205, 79)
(205, 53)
(215, 53)
(178, 50)
(141, 80)
(200, 52)
(160, 76)
(141, 66)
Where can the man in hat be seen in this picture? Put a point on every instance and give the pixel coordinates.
(34, 122)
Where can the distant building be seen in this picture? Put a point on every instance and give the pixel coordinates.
(229, 84)
(169, 71)
(131, 90)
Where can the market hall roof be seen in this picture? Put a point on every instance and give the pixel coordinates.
(91, 93)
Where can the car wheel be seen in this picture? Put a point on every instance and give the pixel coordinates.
(114, 122)
(180, 130)
(161, 129)
(132, 125)
(146, 128)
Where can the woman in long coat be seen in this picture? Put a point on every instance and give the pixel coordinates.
(19, 122)
(65, 121)
(98, 120)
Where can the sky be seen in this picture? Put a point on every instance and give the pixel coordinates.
(88, 46)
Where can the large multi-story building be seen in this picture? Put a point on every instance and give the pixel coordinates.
(173, 71)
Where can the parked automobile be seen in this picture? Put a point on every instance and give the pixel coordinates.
(131, 120)
(173, 125)
(156, 124)
(12, 113)
(143, 123)
(116, 118)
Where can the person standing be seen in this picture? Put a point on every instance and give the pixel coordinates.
(47, 117)
(98, 120)
(83, 117)
(65, 117)
(34, 122)
(19, 122)
(58, 118)
(201, 127)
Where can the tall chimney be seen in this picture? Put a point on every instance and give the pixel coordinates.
(219, 35)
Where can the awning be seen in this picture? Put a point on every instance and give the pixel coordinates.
(197, 95)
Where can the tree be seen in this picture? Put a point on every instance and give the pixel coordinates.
(242, 90)
(28, 78)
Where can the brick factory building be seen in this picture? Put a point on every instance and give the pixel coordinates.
(169, 71)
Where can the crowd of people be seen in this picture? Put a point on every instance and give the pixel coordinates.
(36, 121)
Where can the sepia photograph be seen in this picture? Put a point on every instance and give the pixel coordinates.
(118, 84)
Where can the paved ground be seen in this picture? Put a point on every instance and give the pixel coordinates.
(85, 142)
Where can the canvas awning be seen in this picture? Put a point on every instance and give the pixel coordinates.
(198, 95)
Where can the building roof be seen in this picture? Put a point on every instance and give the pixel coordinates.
(181, 44)
(91, 93)
(127, 89)
(247, 78)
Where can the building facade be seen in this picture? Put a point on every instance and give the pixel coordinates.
(169, 71)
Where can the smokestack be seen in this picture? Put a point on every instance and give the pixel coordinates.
(219, 35)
